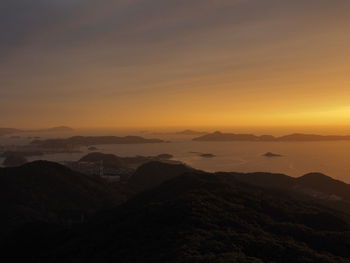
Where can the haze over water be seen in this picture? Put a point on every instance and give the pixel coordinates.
(330, 158)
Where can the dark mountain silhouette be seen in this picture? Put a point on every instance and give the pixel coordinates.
(316, 185)
(198, 218)
(78, 141)
(218, 136)
(153, 174)
(325, 184)
(49, 192)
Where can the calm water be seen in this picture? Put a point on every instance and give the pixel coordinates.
(331, 158)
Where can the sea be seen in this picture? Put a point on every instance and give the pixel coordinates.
(298, 158)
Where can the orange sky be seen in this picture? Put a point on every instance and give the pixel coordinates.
(175, 63)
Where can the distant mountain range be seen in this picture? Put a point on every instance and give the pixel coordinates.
(8, 131)
(78, 141)
(297, 137)
(181, 215)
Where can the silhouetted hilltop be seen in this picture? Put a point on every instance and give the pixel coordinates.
(78, 141)
(199, 218)
(315, 185)
(218, 136)
(266, 180)
(153, 174)
(46, 191)
(325, 184)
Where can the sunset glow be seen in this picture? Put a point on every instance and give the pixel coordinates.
(161, 63)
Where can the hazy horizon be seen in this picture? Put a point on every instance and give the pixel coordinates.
(153, 130)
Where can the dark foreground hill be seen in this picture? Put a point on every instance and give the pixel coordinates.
(49, 192)
(315, 185)
(198, 218)
(152, 174)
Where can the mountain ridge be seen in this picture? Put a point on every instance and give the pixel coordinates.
(200, 218)
(219, 136)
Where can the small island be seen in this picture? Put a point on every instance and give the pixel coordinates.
(204, 155)
(272, 155)
(207, 155)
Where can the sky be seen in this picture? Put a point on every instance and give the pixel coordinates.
(141, 63)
